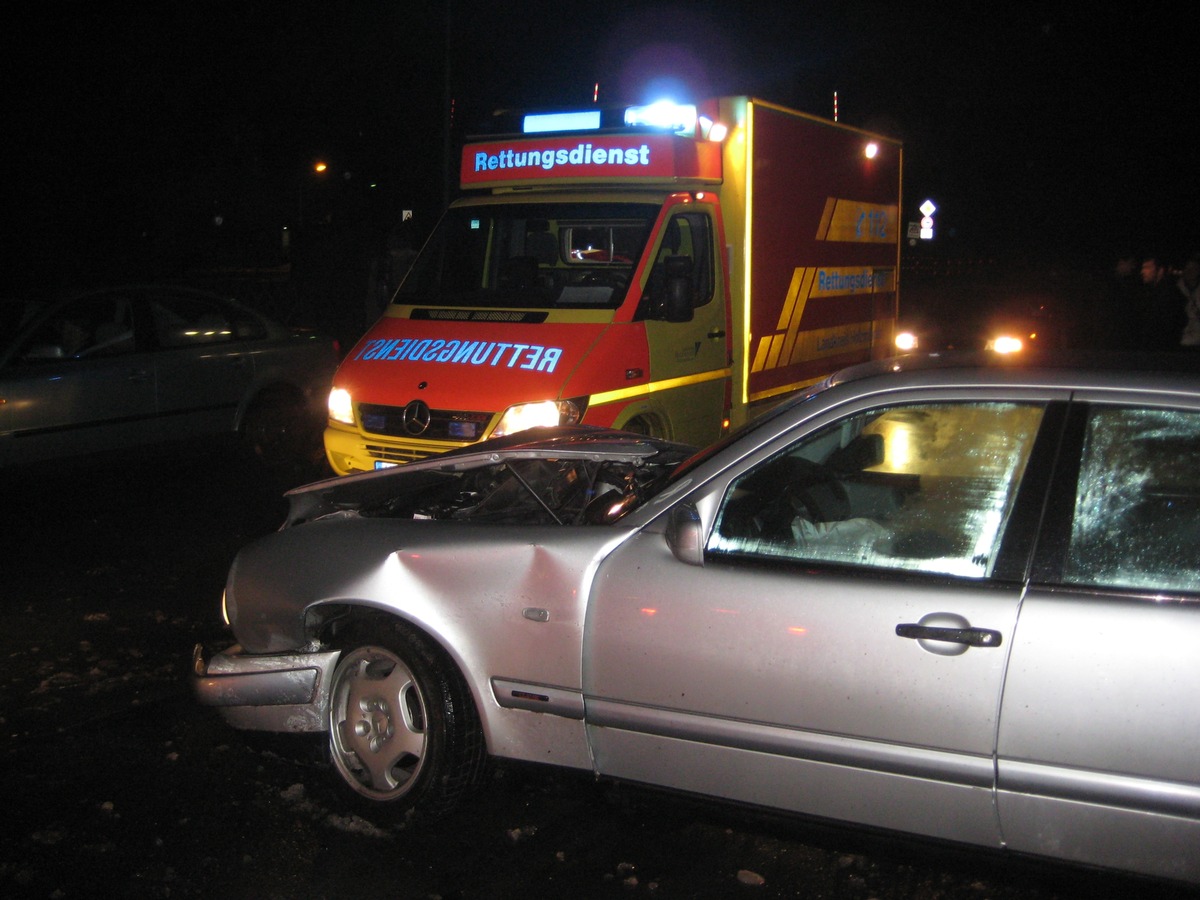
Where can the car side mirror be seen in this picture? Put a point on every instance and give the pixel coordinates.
(685, 534)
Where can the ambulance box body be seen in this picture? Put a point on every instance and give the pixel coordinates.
(672, 277)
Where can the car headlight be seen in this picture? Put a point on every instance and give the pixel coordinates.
(543, 412)
(906, 342)
(341, 409)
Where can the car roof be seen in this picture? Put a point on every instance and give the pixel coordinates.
(1065, 368)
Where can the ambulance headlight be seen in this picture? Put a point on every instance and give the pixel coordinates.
(340, 407)
(531, 415)
(1005, 344)
(906, 342)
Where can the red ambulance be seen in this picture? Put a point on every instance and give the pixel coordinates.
(671, 273)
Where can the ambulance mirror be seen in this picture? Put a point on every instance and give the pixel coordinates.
(678, 289)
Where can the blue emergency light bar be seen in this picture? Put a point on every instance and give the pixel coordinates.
(676, 118)
(588, 120)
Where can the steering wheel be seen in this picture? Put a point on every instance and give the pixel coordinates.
(813, 491)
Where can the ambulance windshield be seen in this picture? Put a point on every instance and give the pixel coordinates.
(531, 255)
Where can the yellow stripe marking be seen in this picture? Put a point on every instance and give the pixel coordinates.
(644, 390)
(826, 218)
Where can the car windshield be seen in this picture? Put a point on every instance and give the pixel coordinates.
(739, 433)
(13, 314)
(531, 255)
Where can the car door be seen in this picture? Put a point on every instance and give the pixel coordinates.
(81, 381)
(1098, 757)
(205, 363)
(840, 651)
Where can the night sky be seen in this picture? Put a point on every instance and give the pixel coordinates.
(1054, 133)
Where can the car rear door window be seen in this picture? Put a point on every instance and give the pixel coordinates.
(1137, 506)
(925, 488)
(182, 320)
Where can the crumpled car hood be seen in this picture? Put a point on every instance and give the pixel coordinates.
(565, 475)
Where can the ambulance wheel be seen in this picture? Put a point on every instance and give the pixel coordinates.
(643, 425)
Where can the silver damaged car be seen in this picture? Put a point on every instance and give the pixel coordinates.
(954, 598)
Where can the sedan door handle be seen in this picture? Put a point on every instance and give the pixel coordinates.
(972, 637)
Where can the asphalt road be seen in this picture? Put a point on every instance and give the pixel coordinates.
(115, 783)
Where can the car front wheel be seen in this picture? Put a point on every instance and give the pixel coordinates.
(403, 728)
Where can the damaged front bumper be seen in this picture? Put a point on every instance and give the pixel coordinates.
(277, 692)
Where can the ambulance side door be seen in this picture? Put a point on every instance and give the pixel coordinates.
(690, 358)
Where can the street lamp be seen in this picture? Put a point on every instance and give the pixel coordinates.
(319, 168)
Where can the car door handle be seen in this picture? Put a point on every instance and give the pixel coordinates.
(972, 637)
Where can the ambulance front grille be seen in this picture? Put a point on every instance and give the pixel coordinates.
(396, 454)
(424, 424)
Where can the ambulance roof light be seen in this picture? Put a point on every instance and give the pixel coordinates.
(678, 118)
(587, 120)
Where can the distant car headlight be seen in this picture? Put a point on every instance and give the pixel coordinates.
(341, 409)
(531, 415)
(906, 342)
(1006, 344)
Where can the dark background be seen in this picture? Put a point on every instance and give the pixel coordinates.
(166, 139)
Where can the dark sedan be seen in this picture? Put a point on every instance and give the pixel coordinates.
(133, 366)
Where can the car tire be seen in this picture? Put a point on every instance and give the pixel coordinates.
(278, 429)
(404, 733)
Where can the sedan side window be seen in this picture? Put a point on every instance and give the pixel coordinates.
(185, 321)
(1137, 504)
(921, 488)
(88, 327)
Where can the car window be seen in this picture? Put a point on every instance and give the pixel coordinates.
(14, 314)
(918, 487)
(182, 320)
(1137, 504)
(246, 325)
(86, 327)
